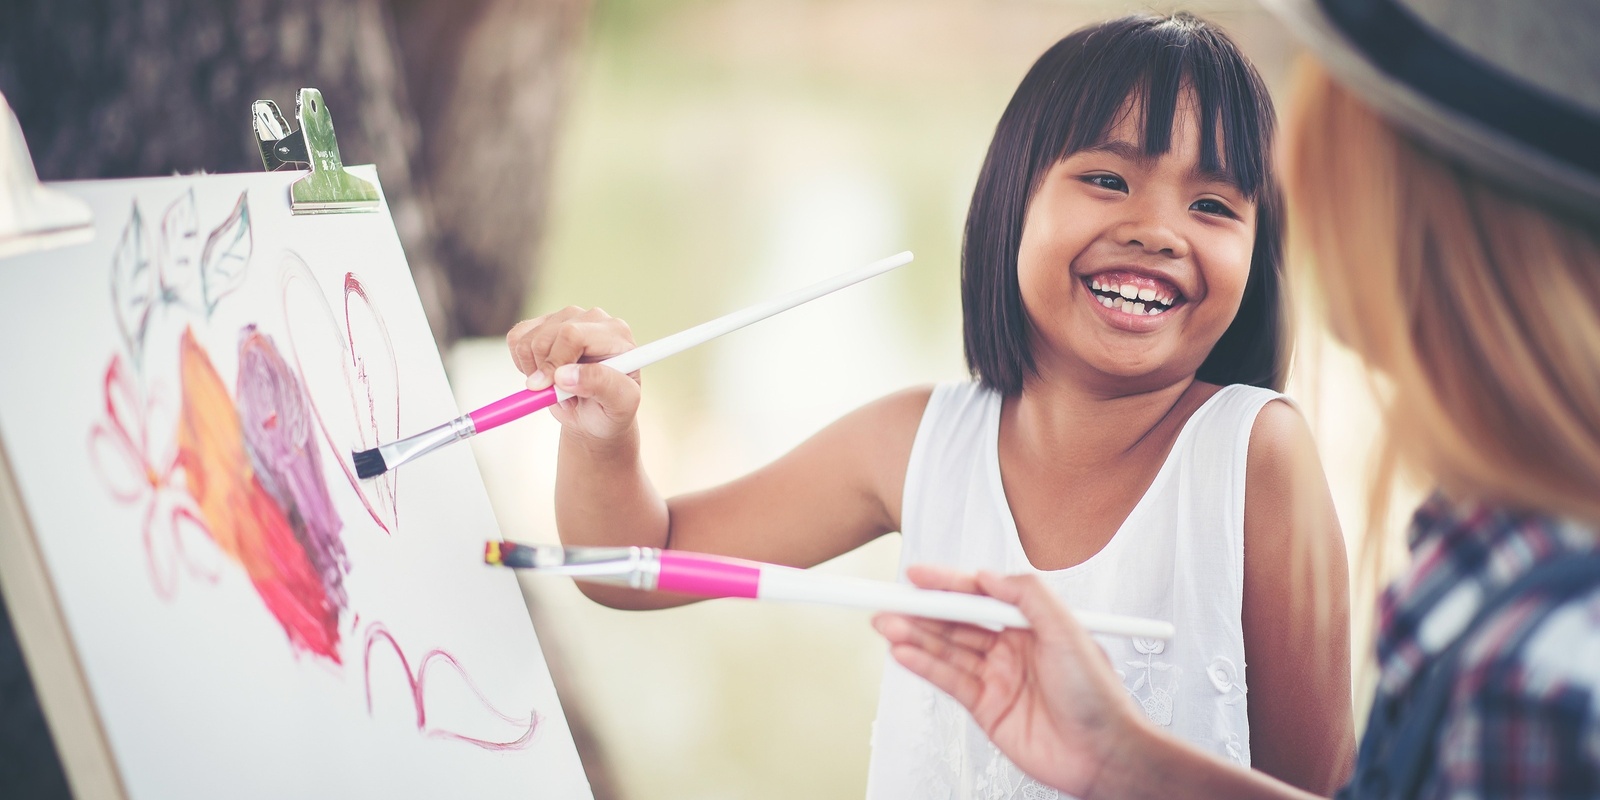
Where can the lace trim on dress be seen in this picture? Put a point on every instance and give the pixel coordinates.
(1155, 683)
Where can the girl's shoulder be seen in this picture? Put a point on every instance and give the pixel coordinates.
(1280, 448)
(920, 406)
(1238, 417)
(886, 427)
(1243, 396)
(898, 409)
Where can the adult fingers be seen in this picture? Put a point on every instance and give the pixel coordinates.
(958, 633)
(939, 641)
(1043, 610)
(931, 576)
(963, 685)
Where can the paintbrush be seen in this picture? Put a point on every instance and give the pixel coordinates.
(375, 462)
(704, 575)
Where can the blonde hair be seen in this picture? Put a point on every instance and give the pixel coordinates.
(1477, 310)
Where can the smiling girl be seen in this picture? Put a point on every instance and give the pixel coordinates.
(1123, 439)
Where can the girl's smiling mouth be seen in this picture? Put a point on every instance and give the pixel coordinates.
(1133, 294)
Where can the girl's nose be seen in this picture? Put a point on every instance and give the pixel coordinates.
(1148, 229)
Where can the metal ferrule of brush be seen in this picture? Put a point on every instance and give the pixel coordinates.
(397, 453)
(634, 567)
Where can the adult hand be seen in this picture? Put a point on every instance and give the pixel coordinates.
(557, 347)
(1047, 697)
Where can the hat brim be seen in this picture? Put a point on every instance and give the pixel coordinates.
(1482, 149)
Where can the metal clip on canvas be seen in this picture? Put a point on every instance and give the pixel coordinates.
(329, 189)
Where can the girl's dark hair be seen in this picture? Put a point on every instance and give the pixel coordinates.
(1069, 101)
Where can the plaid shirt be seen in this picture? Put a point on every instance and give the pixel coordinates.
(1523, 722)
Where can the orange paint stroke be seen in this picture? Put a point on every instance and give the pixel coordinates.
(242, 517)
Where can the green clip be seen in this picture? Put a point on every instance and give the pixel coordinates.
(329, 189)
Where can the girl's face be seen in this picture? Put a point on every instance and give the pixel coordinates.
(1131, 267)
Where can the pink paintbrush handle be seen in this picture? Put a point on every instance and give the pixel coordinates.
(513, 407)
(708, 576)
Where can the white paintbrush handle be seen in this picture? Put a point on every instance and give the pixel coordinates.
(645, 355)
(800, 586)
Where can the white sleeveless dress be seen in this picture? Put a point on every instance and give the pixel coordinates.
(1179, 556)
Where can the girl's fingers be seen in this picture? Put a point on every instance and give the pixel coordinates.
(615, 390)
(519, 330)
(586, 341)
(531, 339)
(514, 337)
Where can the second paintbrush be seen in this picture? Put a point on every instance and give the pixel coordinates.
(705, 575)
(375, 462)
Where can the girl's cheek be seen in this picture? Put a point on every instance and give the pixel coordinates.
(1232, 270)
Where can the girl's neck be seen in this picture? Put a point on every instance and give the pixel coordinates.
(1066, 424)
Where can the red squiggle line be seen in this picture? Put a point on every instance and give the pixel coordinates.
(352, 286)
(418, 682)
(179, 555)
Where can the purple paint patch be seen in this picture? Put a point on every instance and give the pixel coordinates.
(280, 436)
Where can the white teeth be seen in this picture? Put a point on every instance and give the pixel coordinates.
(1131, 299)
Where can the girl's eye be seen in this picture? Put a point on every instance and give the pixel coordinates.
(1212, 207)
(1111, 182)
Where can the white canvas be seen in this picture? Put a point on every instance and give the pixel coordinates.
(230, 650)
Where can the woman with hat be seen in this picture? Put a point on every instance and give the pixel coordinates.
(1443, 170)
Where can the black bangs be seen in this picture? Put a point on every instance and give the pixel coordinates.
(1084, 84)
(1069, 101)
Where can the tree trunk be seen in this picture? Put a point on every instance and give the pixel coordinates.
(488, 80)
(108, 89)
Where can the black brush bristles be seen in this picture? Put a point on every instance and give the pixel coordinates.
(510, 554)
(369, 463)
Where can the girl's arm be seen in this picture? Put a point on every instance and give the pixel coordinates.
(1047, 697)
(1296, 610)
(834, 492)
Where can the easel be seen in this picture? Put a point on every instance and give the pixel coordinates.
(36, 218)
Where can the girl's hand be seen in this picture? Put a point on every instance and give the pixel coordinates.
(1046, 697)
(557, 348)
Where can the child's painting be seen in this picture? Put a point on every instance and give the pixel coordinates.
(179, 402)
